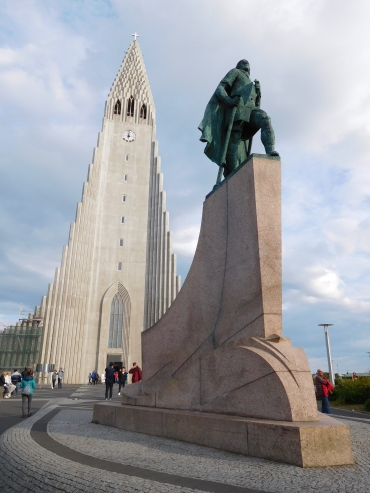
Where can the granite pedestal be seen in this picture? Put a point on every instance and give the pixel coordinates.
(216, 365)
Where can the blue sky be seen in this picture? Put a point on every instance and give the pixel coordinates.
(57, 63)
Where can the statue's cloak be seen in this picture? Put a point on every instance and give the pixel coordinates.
(213, 128)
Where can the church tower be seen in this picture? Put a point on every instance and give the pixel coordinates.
(118, 273)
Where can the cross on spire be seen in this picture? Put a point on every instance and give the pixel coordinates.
(135, 35)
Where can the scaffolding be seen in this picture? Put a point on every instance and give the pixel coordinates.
(20, 344)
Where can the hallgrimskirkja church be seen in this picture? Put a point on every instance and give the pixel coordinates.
(118, 273)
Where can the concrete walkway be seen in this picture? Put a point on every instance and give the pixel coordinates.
(59, 450)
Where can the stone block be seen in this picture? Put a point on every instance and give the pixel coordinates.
(212, 431)
(333, 440)
(105, 414)
(138, 419)
(325, 442)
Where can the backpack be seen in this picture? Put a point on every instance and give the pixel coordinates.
(330, 386)
(26, 390)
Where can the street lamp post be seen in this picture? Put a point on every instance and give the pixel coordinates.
(328, 351)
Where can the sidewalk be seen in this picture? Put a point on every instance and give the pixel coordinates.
(59, 450)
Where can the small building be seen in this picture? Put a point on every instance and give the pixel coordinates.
(20, 344)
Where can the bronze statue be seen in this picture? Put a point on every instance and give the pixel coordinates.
(232, 117)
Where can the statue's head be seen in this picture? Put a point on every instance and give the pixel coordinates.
(244, 65)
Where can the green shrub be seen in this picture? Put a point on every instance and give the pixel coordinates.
(367, 405)
(352, 391)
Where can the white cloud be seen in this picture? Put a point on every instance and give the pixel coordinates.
(57, 61)
(186, 240)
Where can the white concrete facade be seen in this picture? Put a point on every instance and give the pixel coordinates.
(119, 252)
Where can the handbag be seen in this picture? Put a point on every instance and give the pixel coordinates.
(26, 390)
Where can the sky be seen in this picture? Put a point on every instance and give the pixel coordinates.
(57, 63)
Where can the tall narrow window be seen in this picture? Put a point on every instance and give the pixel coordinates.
(126, 157)
(122, 220)
(143, 111)
(117, 108)
(119, 265)
(116, 322)
(121, 242)
(125, 177)
(130, 106)
(123, 198)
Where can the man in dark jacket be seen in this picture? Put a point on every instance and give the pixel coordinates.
(109, 381)
(25, 372)
(16, 379)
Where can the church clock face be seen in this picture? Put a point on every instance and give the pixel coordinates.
(129, 136)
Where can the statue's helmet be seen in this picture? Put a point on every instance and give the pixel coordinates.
(242, 63)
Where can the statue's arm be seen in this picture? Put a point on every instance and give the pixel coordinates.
(223, 96)
(224, 87)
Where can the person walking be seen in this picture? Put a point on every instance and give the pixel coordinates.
(93, 373)
(323, 387)
(122, 379)
(27, 385)
(136, 373)
(109, 381)
(89, 378)
(60, 377)
(96, 378)
(53, 379)
(25, 372)
(16, 379)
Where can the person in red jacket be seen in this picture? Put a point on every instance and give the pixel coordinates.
(136, 373)
(323, 389)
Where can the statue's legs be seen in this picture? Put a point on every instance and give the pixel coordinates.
(261, 120)
(232, 161)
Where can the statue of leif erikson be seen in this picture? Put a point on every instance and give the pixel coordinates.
(232, 117)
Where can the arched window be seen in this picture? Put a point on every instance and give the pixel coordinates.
(116, 322)
(130, 106)
(117, 108)
(143, 111)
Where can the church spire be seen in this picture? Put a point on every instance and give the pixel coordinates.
(131, 90)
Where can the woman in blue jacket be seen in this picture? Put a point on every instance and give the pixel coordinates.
(27, 385)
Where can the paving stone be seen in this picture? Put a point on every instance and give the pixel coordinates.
(34, 469)
(47, 472)
(75, 430)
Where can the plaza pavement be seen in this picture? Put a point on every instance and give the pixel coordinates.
(59, 449)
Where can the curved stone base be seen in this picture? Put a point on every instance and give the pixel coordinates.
(321, 443)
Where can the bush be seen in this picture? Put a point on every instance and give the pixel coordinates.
(367, 405)
(352, 391)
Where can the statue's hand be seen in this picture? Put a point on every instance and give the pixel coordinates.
(257, 83)
(235, 101)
